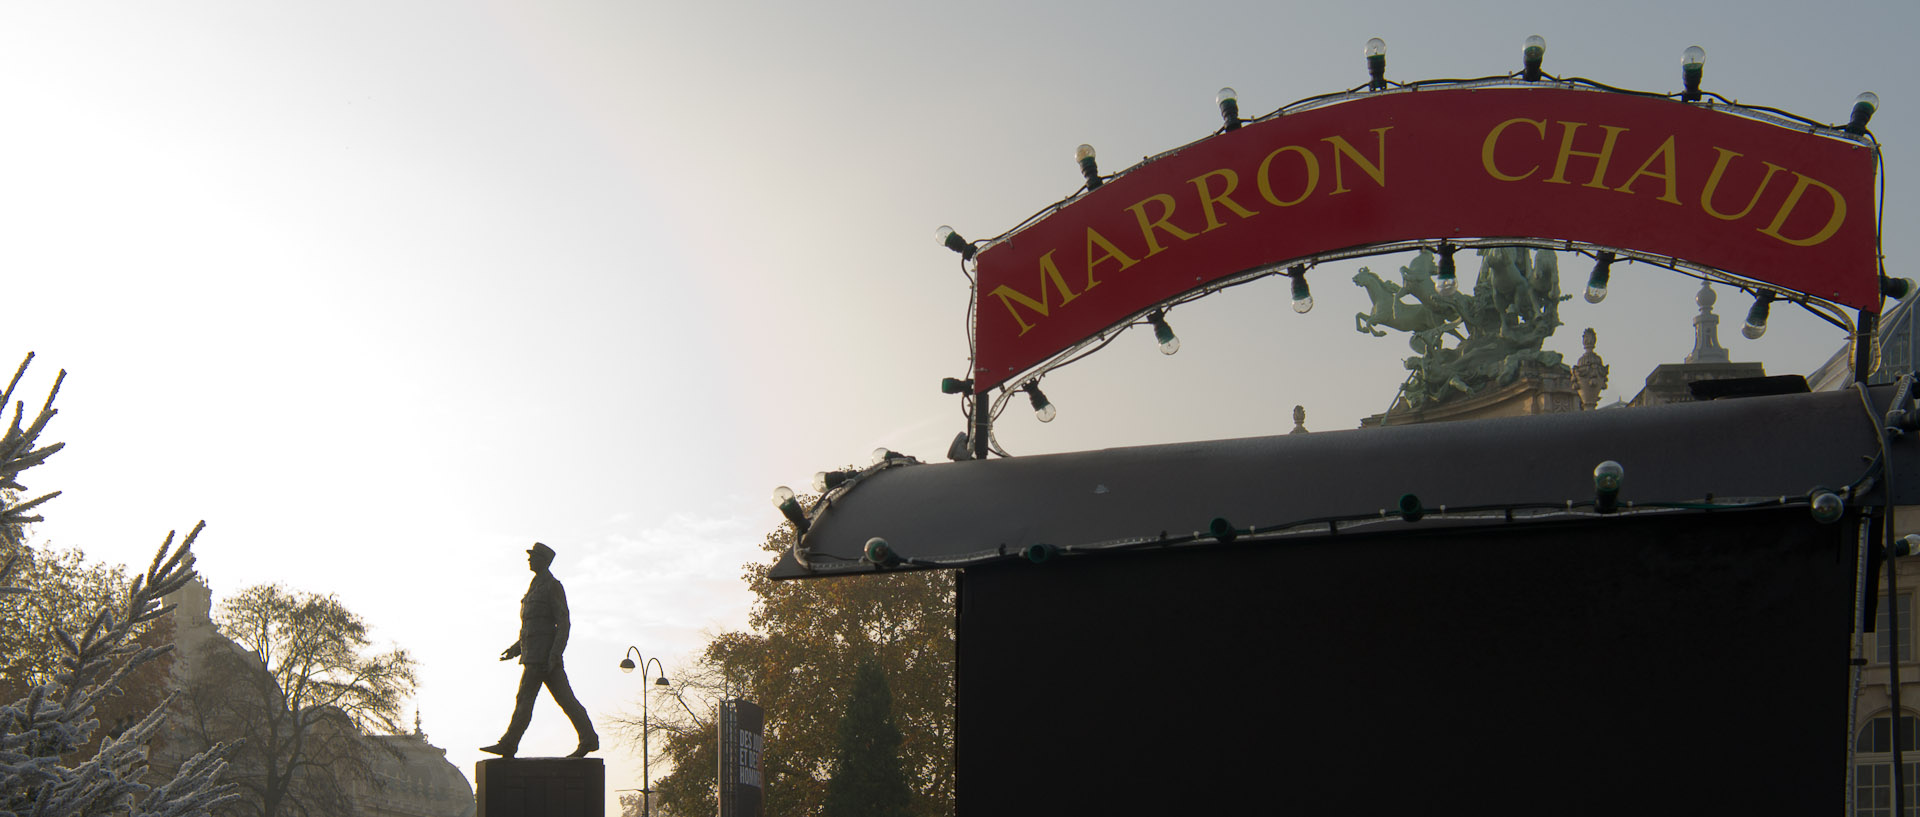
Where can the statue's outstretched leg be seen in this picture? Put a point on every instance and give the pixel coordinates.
(582, 725)
(509, 744)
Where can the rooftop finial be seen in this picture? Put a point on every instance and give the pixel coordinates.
(1706, 329)
(1590, 372)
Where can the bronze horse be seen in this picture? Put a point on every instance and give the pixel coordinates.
(1388, 308)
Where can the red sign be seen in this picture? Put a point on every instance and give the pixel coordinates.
(1773, 204)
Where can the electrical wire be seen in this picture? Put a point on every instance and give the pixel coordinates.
(1820, 308)
(1508, 513)
(1902, 394)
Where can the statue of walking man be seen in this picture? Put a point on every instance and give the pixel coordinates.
(543, 637)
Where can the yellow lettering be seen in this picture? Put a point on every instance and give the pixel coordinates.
(1493, 139)
(1147, 226)
(1208, 199)
(1793, 198)
(1313, 176)
(1567, 152)
(1112, 253)
(1713, 183)
(1377, 170)
(1673, 178)
(1048, 272)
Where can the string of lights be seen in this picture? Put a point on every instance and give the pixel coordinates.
(1826, 505)
(1693, 63)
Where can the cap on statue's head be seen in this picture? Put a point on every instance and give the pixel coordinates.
(541, 552)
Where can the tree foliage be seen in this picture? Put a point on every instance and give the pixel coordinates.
(808, 638)
(868, 778)
(65, 592)
(52, 764)
(302, 690)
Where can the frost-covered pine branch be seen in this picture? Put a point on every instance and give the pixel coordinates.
(41, 734)
(18, 452)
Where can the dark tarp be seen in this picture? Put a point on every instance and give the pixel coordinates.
(1752, 447)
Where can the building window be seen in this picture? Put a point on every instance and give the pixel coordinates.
(1904, 606)
(1873, 767)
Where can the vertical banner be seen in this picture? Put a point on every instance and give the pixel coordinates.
(741, 739)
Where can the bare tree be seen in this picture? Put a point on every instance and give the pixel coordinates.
(303, 692)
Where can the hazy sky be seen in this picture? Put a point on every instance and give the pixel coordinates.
(386, 291)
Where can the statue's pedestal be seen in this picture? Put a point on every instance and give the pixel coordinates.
(1538, 390)
(540, 787)
(1669, 382)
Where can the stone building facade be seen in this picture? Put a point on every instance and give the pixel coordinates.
(412, 779)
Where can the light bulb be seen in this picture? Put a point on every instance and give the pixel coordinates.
(1410, 508)
(824, 481)
(1376, 52)
(880, 455)
(879, 552)
(1693, 64)
(1597, 282)
(1864, 107)
(953, 241)
(1827, 507)
(1229, 103)
(1531, 56)
(1169, 343)
(790, 508)
(1607, 477)
(1302, 296)
(1088, 166)
(1042, 409)
(1757, 316)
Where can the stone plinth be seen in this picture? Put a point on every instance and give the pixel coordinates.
(1668, 382)
(540, 787)
(1538, 390)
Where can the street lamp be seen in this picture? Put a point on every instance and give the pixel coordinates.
(627, 665)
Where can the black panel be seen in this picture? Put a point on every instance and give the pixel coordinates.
(1686, 664)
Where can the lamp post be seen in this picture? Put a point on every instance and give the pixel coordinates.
(627, 665)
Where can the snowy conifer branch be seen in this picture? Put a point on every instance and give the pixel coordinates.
(41, 733)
